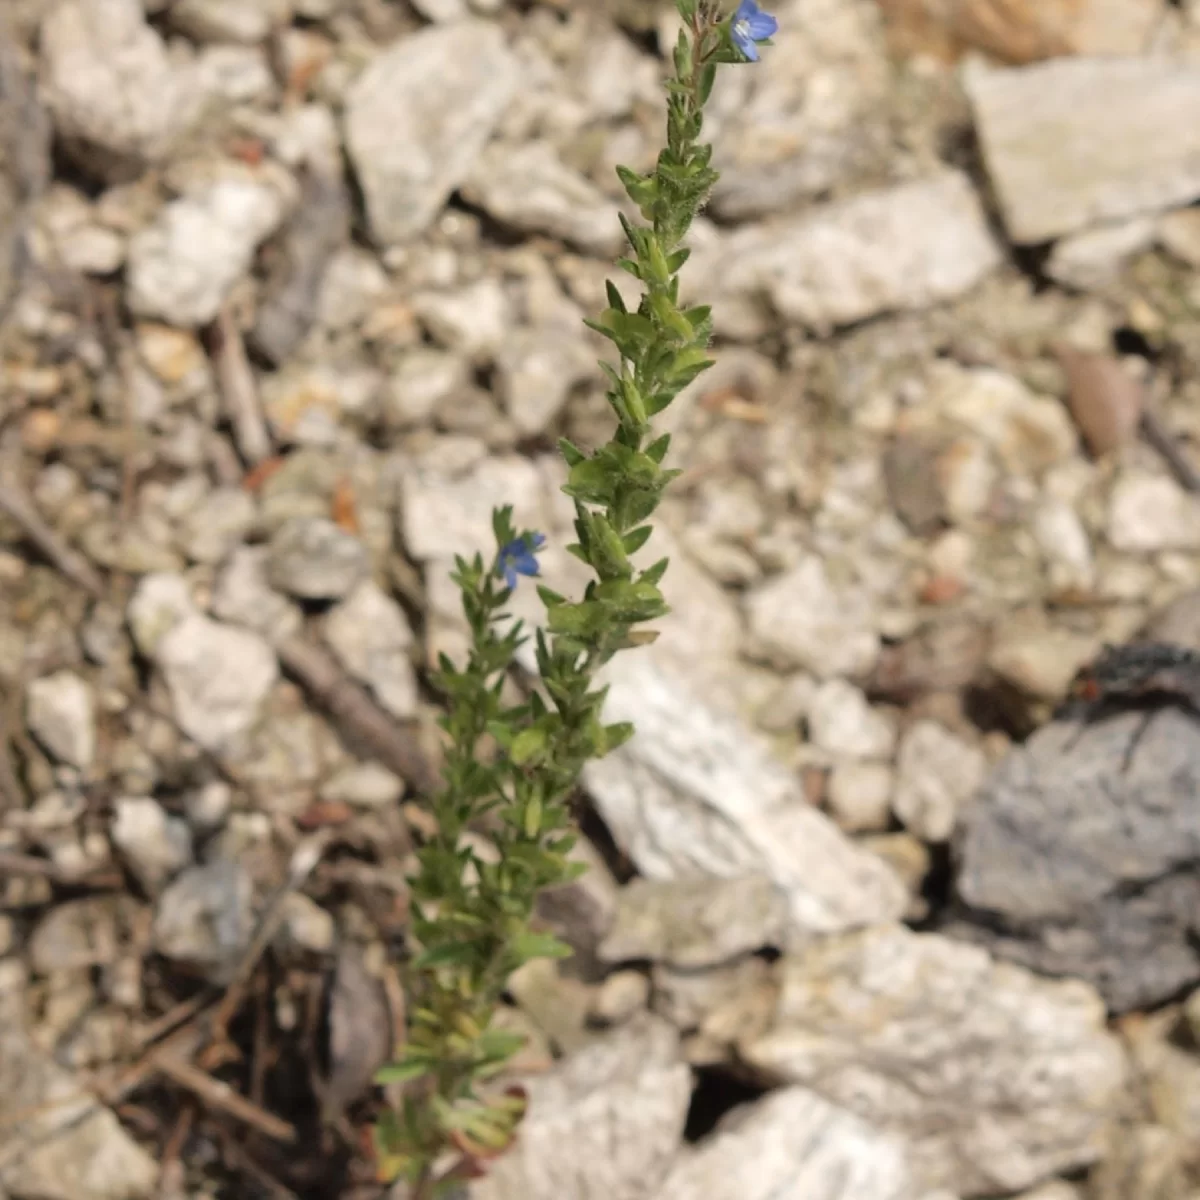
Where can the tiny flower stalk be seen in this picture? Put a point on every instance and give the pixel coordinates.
(509, 767)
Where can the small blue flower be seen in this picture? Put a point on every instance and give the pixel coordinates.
(517, 558)
(750, 25)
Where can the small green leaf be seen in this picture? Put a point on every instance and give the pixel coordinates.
(654, 574)
(614, 736)
(635, 539)
(528, 745)
(529, 945)
(402, 1072)
(570, 452)
(657, 450)
(533, 817)
(497, 1045)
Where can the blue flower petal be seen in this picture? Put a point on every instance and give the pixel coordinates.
(749, 26)
(517, 558)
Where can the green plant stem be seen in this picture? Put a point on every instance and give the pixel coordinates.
(516, 766)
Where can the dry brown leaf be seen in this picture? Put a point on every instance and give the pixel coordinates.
(344, 507)
(260, 473)
(1105, 401)
(360, 1030)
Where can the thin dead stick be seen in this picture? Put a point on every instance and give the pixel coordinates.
(239, 1158)
(398, 748)
(238, 389)
(219, 1095)
(170, 1169)
(304, 860)
(171, 1020)
(74, 566)
(11, 795)
(1165, 442)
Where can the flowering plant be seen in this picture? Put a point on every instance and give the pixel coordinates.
(516, 765)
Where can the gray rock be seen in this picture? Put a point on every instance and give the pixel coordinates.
(445, 512)
(1179, 234)
(696, 795)
(370, 635)
(79, 934)
(557, 1004)
(1080, 865)
(233, 75)
(581, 912)
(205, 918)
(1039, 658)
(56, 1143)
(475, 320)
(995, 1077)
(247, 21)
(692, 923)
(1151, 513)
(217, 524)
(859, 796)
(242, 595)
(182, 266)
(723, 1003)
(620, 996)
(900, 248)
(154, 844)
(419, 116)
(311, 558)
(61, 713)
(602, 1123)
(291, 297)
(535, 372)
(1089, 260)
(841, 722)
(306, 926)
(424, 380)
(804, 619)
(364, 785)
(793, 1145)
(1053, 175)
(811, 118)
(528, 187)
(117, 98)
(208, 807)
(1178, 621)
(79, 240)
(218, 677)
(442, 11)
(936, 774)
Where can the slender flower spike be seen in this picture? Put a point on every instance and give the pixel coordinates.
(749, 26)
(517, 558)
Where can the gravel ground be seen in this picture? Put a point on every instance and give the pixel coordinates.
(291, 295)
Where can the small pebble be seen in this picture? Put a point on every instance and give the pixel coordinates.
(311, 558)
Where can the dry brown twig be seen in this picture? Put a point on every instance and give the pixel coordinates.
(1166, 443)
(19, 508)
(215, 1093)
(398, 748)
(238, 389)
(303, 862)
